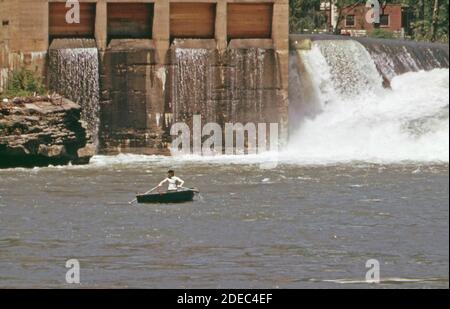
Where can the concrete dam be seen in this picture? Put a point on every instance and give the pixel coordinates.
(137, 67)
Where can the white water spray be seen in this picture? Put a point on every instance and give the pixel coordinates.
(354, 118)
(351, 116)
(361, 121)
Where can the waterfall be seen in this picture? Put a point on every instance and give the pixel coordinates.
(235, 88)
(247, 84)
(352, 71)
(393, 57)
(332, 70)
(74, 74)
(191, 83)
(352, 117)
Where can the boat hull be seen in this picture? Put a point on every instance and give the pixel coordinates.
(167, 197)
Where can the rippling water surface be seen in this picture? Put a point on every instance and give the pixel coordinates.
(290, 227)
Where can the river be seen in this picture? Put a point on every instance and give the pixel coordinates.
(364, 176)
(311, 226)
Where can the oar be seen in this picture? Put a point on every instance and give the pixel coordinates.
(135, 200)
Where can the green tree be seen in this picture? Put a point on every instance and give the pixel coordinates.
(340, 6)
(305, 16)
(428, 19)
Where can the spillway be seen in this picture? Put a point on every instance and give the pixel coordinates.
(73, 72)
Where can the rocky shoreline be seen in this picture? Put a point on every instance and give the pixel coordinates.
(42, 131)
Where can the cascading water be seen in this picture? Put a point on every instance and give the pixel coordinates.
(234, 93)
(393, 57)
(247, 84)
(351, 69)
(191, 83)
(74, 74)
(356, 119)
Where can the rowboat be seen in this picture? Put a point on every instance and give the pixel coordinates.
(169, 197)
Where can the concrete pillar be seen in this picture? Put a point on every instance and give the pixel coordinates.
(280, 37)
(101, 25)
(280, 25)
(221, 25)
(45, 13)
(161, 30)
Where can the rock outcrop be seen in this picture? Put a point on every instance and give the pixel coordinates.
(42, 131)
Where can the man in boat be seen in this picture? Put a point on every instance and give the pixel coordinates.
(174, 182)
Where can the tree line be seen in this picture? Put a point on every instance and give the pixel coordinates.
(427, 20)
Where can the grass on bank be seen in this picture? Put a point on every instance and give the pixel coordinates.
(23, 83)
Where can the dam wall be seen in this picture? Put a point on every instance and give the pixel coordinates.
(159, 62)
(22, 39)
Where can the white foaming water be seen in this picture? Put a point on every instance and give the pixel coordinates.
(356, 119)
(406, 123)
(269, 158)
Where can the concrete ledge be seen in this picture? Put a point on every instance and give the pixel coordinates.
(194, 43)
(301, 44)
(130, 44)
(72, 43)
(131, 51)
(251, 43)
